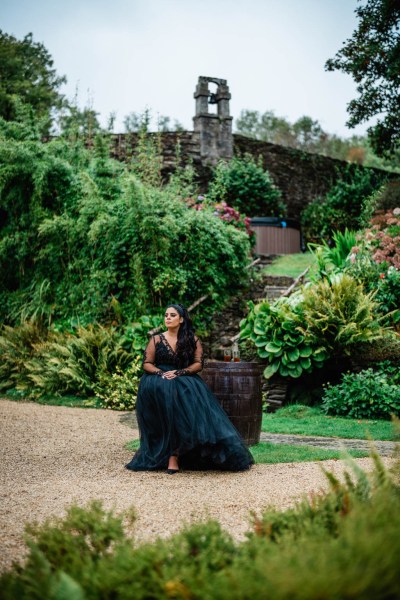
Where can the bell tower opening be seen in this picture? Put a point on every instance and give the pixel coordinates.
(212, 121)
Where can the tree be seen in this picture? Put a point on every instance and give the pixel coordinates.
(372, 57)
(27, 75)
(304, 134)
(266, 127)
(81, 122)
(135, 122)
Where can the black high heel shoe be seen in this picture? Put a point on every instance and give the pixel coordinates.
(172, 471)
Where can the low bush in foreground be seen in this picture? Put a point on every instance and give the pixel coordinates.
(341, 544)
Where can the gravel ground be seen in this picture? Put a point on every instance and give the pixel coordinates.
(55, 456)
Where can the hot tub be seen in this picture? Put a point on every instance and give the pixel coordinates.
(275, 235)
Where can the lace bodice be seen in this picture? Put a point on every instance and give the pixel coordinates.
(160, 352)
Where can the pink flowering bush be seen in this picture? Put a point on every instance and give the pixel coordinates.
(226, 213)
(383, 238)
(375, 262)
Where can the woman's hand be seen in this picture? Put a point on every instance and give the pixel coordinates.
(169, 375)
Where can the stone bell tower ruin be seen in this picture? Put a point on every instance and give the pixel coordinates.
(215, 130)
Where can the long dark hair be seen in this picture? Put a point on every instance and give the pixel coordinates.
(186, 342)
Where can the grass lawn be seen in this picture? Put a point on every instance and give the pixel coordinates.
(304, 420)
(291, 265)
(267, 453)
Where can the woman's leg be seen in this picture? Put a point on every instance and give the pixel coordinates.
(173, 462)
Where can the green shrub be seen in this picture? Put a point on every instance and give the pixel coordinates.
(388, 294)
(244, 184)
(325, 547)
(342, 205)
(366, 395)
(119, 389)
(386, 198)
(296, 334)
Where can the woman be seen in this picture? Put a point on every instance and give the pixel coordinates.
(180, 421)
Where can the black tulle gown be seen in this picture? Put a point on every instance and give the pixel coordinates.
(182, 416)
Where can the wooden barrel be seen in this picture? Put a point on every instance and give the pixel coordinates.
(237, 387)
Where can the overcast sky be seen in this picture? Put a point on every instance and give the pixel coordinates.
(126, 55)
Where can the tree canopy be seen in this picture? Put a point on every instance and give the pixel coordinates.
(304, 134)
(308, 135)
(27, 75)
(372, 57)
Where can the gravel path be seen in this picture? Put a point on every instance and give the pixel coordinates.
(55, 456)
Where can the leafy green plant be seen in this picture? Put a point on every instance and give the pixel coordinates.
(118, 390)
(388, 294)
(368, 394)
(275, 331)
(362, 268)
(333, 257)
(244, 184)
(73, 363)
(135, 337)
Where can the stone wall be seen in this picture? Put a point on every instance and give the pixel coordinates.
(123, 146)
(301, 176)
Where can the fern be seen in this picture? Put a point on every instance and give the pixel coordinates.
(339, 312)
(40, 363)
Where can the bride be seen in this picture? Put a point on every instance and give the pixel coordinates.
(181, 422)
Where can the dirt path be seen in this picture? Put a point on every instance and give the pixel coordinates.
(55, 456)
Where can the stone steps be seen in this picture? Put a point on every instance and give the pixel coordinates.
(226, 322)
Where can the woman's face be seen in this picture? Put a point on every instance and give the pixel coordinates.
(172, 318)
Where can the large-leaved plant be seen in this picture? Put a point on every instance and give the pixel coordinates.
(275, 330)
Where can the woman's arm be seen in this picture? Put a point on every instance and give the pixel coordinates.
(149, 356)
(197, 364)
